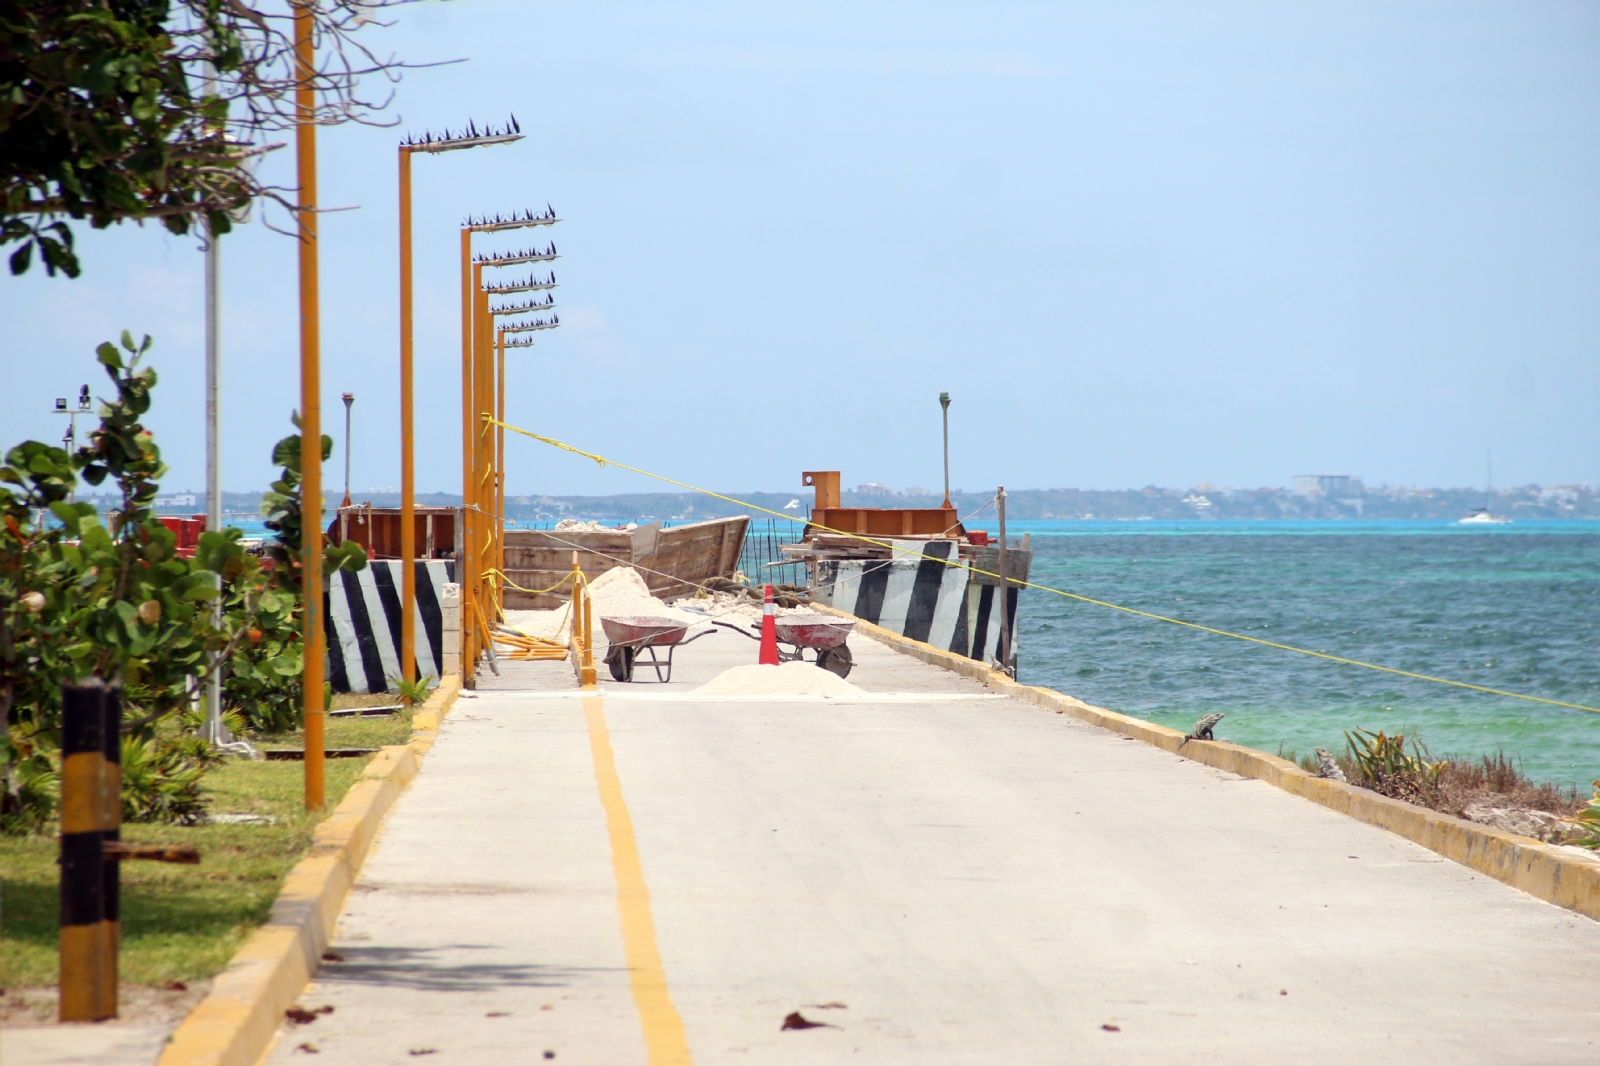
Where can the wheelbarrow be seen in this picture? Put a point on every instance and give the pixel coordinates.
(823, 634)
(630, 634)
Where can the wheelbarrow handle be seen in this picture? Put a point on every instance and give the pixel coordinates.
(737, 629)
(697, 636)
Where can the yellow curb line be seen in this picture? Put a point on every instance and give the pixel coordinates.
(1563, 876)
(236, 1023)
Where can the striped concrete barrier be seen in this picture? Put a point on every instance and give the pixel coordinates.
(363, 613)
(923, 599)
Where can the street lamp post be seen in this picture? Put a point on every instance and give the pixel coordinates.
(430, 144)
(305, 105)
(944, 407)
(69, 439)
(475, 354)
(500, 415)
(488, 482)
(349, 399)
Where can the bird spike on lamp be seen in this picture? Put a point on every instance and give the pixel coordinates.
(533, 284)
(520, 342)
(529, 255)
(495, 223)
(529, 305)
(471, 137)
(528, 327)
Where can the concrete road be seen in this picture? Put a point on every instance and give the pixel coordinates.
(938, 875)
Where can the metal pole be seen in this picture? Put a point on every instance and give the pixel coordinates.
(944, 407)
(468, 526)
(500, 480)
(349, 398)
(213, 731)
(408, 489)
(483, 403)
(72, 446)
(1005, 584)
(305, 102)
(90, 814)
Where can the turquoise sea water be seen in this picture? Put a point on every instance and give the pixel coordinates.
(1511, 607)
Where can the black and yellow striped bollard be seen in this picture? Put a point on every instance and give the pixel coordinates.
(91, 817)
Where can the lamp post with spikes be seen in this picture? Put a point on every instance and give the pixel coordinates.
(315, 640)
(530, 326)
(431, 144)
(477, 399)
(487, 480)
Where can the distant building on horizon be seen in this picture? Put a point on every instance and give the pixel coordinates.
(1330, 485)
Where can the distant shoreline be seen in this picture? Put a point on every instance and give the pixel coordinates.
(1531, 503)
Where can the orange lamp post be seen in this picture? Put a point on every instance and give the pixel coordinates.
(305, 106)
(500, 431)
(477, 400)
(431, 144)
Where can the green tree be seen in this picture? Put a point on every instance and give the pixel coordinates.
(119, 110)
(81, 598)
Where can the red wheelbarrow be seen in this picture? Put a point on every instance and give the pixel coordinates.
(822, 633)
(632, 633)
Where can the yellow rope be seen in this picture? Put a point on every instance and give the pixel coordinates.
(1046, 588)
(496, 573)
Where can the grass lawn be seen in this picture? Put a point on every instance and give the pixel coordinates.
(183, 923)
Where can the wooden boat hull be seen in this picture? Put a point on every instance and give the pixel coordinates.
(671, 561)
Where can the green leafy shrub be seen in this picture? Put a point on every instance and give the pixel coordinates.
(82, 597)
(1381, 763)
(161, 782)
(413, 692)
(1588, 822)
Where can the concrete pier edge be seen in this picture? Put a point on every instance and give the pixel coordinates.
(235, 1024)
(1565, 876)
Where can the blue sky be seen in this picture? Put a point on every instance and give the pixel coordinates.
(1138, 243)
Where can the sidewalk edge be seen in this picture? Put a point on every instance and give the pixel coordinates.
(235, 1024)
(1564, 876)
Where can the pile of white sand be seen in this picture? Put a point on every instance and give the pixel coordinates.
(616, 592)
(730, 608)
(622, 592)
(787, 679)
(573, 525)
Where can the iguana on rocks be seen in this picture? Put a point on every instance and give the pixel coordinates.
(1326, 767)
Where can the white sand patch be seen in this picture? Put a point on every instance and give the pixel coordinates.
(787, 679)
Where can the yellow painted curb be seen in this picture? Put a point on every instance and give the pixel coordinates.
(235, 1024)
(1567, 877)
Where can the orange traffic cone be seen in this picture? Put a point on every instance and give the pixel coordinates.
(769, 633)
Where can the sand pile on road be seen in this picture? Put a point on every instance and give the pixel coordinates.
(616, 592)
(730, 608)
(788, 679)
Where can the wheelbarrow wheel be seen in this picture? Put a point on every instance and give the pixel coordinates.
(620, 660)
(836, 660)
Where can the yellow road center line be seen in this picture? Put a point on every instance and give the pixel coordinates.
(664, 1039)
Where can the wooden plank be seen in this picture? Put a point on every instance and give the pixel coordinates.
(560, 559)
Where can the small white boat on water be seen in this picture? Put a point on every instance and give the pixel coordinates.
(1482, 516)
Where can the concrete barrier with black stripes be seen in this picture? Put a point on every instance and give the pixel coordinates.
(925, 599)
(364, 613)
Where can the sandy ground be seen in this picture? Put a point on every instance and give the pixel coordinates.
(30, 1037)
